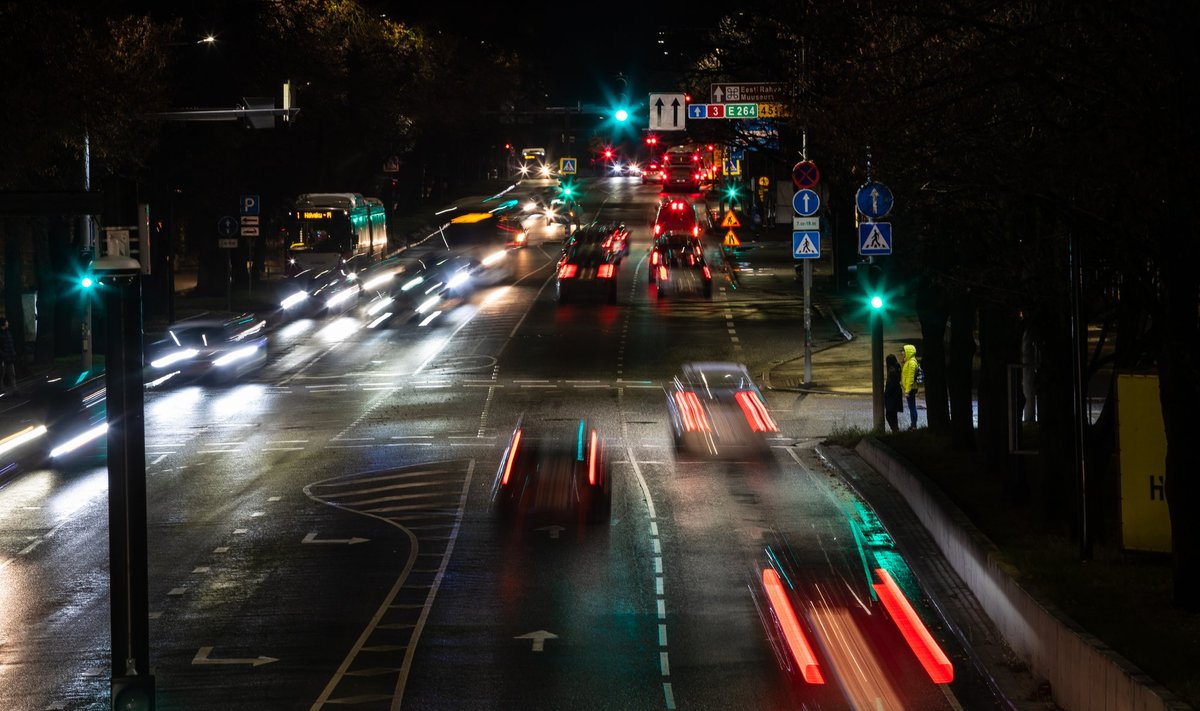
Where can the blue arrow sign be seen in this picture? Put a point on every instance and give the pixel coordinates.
(874, 199)
(227, 226)
(697, 111)
(875, 238)
(805, 202)
(806, 245)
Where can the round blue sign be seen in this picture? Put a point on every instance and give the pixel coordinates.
(874, 199)
(227, 226)
(805, 202)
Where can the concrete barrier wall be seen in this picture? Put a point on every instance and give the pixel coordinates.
(1083, 673)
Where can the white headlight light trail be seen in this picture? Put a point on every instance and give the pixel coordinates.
(172, 358)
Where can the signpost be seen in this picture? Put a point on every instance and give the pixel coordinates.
(668, 112)
(805, 202)
(722, 111)
(756, 92)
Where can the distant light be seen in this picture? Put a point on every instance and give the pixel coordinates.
(208, 39)
(622, 115)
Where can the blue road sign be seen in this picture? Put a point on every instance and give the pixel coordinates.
(227, 226)
(697, 111)
(568, 166)
(805, 202)
(874, 199)
(875, 238)
(250, 205)
(806, 245)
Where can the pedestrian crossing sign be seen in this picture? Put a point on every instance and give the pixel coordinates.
(730, 220)
(731, 239)
(806, 245)
(875, 238)
(566, 166)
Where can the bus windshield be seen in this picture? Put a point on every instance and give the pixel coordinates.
(322, 234)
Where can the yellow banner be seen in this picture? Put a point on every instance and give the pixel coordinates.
(1142, 439)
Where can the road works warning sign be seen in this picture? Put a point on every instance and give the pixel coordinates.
(731, 239)
(730, 220)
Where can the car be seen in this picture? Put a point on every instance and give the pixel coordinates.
(209, 349)
(678, 267)
(717, 412)
(652, 172)
(676, 215)
(677, 250)
(588, 266)
(613, 236)
(436, 284)
(554, 473)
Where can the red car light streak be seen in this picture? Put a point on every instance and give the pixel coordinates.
(592, 458)
(755, 411)
(512, 455)
(931, 656)
(694, 419)
(606, 271)
(707, 273)
(567, 271)
(792, 632)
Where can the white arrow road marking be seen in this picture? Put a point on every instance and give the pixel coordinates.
(554, 530)
(202, 658)
(539, 638)
(312, 538)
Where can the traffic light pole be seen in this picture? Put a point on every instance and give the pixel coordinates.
(132, 683)
(877, 368)
(808, 321)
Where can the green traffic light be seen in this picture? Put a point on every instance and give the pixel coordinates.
(877, 302)
(622, 115)
(86, 282)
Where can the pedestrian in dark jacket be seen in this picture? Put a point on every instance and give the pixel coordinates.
(8, 358)
(893, 397)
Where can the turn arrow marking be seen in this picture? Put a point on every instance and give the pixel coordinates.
(312, 538)
(202, 658)
(539, 638)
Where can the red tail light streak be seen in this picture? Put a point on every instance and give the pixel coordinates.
(794, 635)
(931, 656)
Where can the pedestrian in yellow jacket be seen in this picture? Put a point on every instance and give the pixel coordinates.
(908, 381)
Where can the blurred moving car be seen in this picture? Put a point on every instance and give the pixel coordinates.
(438, 284)
(555, 473)
(207, 349)
(717, 412)
(652, 172)
(677, 265)
(314, 293)
(676, 215)
(588, 267)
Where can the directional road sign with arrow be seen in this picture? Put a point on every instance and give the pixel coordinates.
(668, 112)
(874, 199)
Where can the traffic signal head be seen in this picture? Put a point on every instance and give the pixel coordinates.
(622, 115)
(731, 191)
(870, 278)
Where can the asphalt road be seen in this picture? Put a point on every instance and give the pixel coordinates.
(321, 534)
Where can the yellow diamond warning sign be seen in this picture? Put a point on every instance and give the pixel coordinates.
(730, 220)
(731, 239)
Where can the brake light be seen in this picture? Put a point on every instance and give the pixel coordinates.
(657, 229)
(755, 411)
(605, 271)
(567, 271)
(691, 260)
(655, 258)
(793, 634)
(931, 656)
(662, 272)
(690, 410)
(707, 273)
(695, 230)
(512, 455)
(592, 446)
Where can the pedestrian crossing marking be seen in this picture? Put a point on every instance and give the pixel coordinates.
(731, 239)
(730, 220)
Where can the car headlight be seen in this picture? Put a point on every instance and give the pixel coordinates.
(497, 256)
(173, 357)
(458, 279)
(236, 355)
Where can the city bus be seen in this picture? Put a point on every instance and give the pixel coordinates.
(335, 230)
(683, 168)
